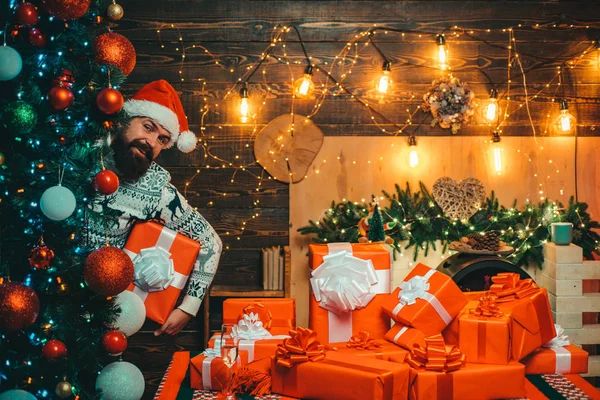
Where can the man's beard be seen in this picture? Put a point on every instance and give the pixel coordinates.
(130, 164)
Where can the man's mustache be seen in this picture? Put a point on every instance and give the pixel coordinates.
(143, 147)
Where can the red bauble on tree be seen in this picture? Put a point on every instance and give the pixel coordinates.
(115, 342)
(37, 38)
(26, 14)
(65, 79)
(54, 350)
(108, 271)
(112, 48)
(66, 9)
(41, 256)
(106, 182)
(60, 98)
(109, 100)
(19, 306)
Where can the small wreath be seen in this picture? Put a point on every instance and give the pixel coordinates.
(451, 103)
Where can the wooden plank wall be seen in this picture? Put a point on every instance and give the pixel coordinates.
(237, 32)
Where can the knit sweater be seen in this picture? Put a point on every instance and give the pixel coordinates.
(153, 197)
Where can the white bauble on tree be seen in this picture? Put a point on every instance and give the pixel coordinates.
(133, 313)
(17, 394)
(120, 381)
(10, 63)
(58, 203)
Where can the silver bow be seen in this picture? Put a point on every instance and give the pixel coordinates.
(250, 328)
(413, 289)
(560, 340)
(154, 269)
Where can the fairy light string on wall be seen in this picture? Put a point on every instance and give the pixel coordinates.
(335, 86)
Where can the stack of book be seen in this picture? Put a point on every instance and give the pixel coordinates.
(273, 268)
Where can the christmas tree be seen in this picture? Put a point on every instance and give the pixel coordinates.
(60, 70)
(376, 233)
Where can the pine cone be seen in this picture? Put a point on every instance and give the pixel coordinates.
(490, 241)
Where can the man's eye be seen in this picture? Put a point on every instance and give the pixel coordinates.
(164, 140)
(148, 127)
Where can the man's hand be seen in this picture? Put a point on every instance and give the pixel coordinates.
(176, 321)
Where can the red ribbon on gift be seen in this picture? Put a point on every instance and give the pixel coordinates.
(301, 347)
(264, 314)
(487, 307)
(508, 286)
(436, 356)
(363, 341)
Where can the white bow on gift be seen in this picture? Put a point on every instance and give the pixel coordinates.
(413, 289)
(560, 340)
(343, 282)
(212, 353)
(154, 269)
(250, 328)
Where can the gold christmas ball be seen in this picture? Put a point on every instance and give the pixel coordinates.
(64, 389)
(2, 159)
(115, 49)
(108, 271)
(114, 12)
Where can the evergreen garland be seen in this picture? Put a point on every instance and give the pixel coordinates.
(421, 223)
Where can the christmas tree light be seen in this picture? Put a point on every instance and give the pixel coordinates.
(384, 81)
(565, 122)
(244, 105)
(442, 52)
(497, 153)
(413, 157)
(304, 86)
(492, 108)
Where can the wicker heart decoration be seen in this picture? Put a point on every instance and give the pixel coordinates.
(460, 200)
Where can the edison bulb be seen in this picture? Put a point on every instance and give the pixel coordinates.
(413, 157)
(442, 51)
(244, 105)
(304, 86)
(384, 82)
(497, 154)
(565, 122)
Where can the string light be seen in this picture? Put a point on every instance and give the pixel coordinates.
(413, 157)
(384, 81)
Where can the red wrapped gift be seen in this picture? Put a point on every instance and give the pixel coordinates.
(556, 360)
(362, 345)
(302, 369)
(427, 300)
(278, 316)
(349, 284)
(209, 372)
(485, 333)
(405, 336)
(163, 260)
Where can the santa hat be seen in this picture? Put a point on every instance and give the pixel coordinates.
(159, 101)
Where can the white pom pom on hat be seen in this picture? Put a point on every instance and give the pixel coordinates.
(159, 100)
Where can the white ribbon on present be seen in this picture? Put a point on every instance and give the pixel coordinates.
(246, 344)
(344, 283)
(563, 356)
(210, 355)
(153, 267)
(417, 288)
(400, 333)
(250, 328)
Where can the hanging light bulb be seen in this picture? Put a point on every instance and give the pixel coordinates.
(413, 157)
(497, 153)
(244, 105)
(304, 86)
(384, 81)
(598, 53)
(492, 108)
(565, 122)
(442, 51)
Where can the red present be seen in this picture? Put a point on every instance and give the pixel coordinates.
(278, 316)
(163, 260)
(556, 360)
(209, 372)
(427, 300)
(362, 345)
(349, 284)
(405, 336)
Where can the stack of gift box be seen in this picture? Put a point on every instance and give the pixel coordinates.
(425, 339)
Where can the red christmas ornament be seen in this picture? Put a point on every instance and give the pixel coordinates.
(109, 101)
(19, 306)
(37, 38)
(27, 14)
(60, 98)
(112, 48)
(41, 256)
(54, 350)
(106, 182)
(115, 342)
(66, 9)
(108, 271)
(65, 79)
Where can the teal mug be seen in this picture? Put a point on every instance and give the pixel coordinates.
(562, 233)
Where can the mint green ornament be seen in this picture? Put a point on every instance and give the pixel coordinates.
(20, 117)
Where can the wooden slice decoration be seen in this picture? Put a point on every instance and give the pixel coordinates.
(287, 146)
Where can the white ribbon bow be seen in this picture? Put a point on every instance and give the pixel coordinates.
(250, 328)
(344, 283)
(413, 289)
(560, 340)
(154, 269)
(212, 353)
